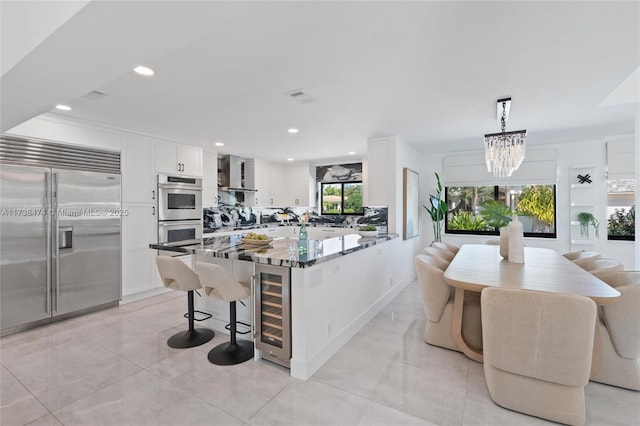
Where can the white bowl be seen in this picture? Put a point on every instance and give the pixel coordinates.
(368, 233)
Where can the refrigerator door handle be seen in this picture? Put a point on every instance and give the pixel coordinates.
(48, 219)
(56, 242)
(65, 237)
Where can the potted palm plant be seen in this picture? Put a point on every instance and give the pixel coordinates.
(437, 210)
(497, 214)
(585, 219)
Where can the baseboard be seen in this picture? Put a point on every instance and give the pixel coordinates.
(144, 295)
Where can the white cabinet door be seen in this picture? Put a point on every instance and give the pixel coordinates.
(299, 185)
(138, 260)
(278, 185)
(190, 160)
(167, 157)
(138, 177)
(175, 158)
(210, 179)
(262, 183)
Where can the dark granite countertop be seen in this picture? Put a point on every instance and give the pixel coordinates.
(276, 252)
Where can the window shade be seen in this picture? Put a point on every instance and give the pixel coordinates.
(621, 159)
(540, 167)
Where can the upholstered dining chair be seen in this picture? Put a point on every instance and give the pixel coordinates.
(581, 255)
(616, 349)
(437, 298)
(537, 351)
(440, 262)
(178, 276)
(443, 246)
(444, 253)
(452, 248)
(599, 265)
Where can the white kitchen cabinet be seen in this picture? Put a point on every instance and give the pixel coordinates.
(210, 179)
(175, 158)
(138, 260)
(292, 185)
(259, 177)
(138, 176)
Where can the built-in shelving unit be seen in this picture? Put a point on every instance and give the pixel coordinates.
(582, 199)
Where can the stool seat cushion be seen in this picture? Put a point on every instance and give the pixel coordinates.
(176, 275)
(220, 284)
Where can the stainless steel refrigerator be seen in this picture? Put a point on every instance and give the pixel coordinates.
(59, 241)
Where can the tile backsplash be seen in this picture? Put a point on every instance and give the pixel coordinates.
(228, 216)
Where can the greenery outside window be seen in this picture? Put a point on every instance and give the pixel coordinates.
(535, 205)
(621, 209)
(341, 198)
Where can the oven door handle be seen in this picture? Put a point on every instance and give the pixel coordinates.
(188, 187)
(170, 223)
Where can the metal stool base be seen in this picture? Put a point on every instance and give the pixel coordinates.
(231, 353)
(190, 338)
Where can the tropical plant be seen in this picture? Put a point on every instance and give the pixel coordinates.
(622, 223)
(437, 210)
(537, 201)
(466, 221)
(496, 213)
(585, 220)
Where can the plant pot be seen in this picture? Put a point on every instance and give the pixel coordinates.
(368, 234)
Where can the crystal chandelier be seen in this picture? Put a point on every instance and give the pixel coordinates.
(504, 151)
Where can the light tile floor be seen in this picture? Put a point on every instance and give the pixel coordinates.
(114, 368)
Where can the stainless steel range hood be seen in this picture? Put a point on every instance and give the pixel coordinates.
(233, 171)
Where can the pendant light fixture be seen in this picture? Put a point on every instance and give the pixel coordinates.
(504, 151)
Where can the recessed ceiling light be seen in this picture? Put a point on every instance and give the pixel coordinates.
(351, 153)
(63, 107)
(289, 159)
(219, 144)
(143, 70)
(292, 130)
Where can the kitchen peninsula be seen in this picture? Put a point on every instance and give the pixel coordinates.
(335, 289)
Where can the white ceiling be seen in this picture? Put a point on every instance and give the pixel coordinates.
(429, 72)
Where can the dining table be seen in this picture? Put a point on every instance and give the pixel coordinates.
(477, 266)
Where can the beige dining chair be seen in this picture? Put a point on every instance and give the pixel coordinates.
(441, 262)
(452, 248)
(437, 298)
(600, 265)
(493, 242)
(581, 255)
(443, 246)
(616, 349)
(537, 351)
(444, 253)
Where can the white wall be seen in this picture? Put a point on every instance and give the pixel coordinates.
(592, 153)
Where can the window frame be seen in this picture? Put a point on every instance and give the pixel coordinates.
(496, 231)
(633, 197)
(342, 184)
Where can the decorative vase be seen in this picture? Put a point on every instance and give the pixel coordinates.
(504, 242)
(516, 241)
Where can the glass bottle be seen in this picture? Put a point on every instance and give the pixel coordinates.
(302, 240)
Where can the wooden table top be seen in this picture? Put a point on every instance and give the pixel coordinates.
(477, 266)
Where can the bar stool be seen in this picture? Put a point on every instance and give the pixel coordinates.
(178, 276)
(219, 284)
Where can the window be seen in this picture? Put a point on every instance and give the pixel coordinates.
(535, 205)
(621, 209)
(341, 198)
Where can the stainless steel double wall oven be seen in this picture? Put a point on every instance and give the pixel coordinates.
(179, 208)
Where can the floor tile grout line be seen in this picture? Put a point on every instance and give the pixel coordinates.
(28, 390)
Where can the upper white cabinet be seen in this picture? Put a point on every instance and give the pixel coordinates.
(258, 177)
(210, 179)
(175, 158)
(138, 183)
(292, 185)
